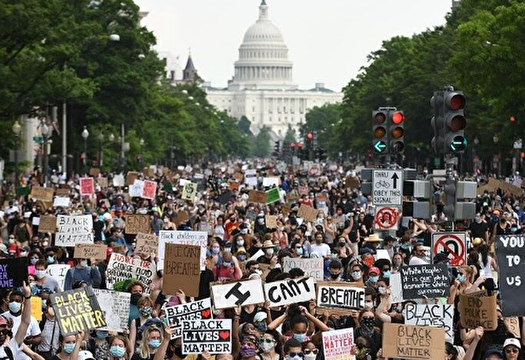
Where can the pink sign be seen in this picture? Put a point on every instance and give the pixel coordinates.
(149, 190)
(87, 186)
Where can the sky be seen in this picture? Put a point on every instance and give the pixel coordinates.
(328, 40)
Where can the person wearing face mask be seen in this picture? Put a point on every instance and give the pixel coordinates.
(479, 228)
(270, 346)
(43, 280)
(13, 248)
(248, 349)
(136, 288)
(280, 236)
(335, 271)
(34, 256)
(269, 251)
(82, 271)
(50, 333)
(397, 262)
(293, 350)
(118, 346)
(366, 327)
(227, 269)
(145, 306)
(296, 249)
(355, 273)
(310, 351)
(70, 347)
(152, 339)
(373, 277)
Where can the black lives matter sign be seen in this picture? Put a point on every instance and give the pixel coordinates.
(214, 336)
(510, 253)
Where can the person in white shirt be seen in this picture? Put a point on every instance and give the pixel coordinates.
(319, 247)
(418, 255)
(11, 347)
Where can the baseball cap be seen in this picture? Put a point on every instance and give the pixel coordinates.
(374, 270)
(85, 355)
(492, 351)
(260, 316)
(512, 341)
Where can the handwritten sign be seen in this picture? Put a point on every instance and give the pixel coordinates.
(307, 213)
(146, 243)
(313, 267)
(115, 309)
(87, 186)
(48, 224)
(246, 292)
(118, 181)
(337, 344)
(340, 296)
(199, 238)
(477, 311)
(58, 272)
(182, 269)
(413, 342)
(150, 189)
(510, 252)
(214, 336)
(12, 272)
(61, 201)
(420, 281)
(137, 224)
(192, 311)
(257, 197)
(103, 182)
(272, 196)
(137, 188)
(42, 193)
(437, 315)
(122, 267)
(189, 191)
(271, 221)
(90, 251)
(74, 230)
(289, 291)
(36, 307)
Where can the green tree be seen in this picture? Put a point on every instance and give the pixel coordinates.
(262, 143)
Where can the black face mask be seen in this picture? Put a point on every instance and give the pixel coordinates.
(178, 352)
(334, 276)
(135, 298)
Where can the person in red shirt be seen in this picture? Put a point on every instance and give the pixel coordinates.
(230, 225)
(227, 269)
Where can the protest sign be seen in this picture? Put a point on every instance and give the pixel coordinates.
(58, 272)
(513, 326)
(42, 193)
(122, 267)
(189, 191)
(271, 221)
(180, 217)
(289, 291)
(147, 243)
(477, 311)
(48, 224)
(437, 315)
(192, 311)
(413, 342)
(182, 269)
(307, 213)
(271, 181)
(213, 336)
(118, 181)
(74, 230)
(150, 189)
(136, 189)
(77, 310)
(12, 272)
(36, 307)
(62, 192)
(131, 176)
(199, 238)
(137, 224)
(90, 251)
(352, 182)
(61, 201)
(337, 344)
(420, 281)
(313, 267)
(272, 196)
(396, 289)
(87, 186)
(245, 292)
(94, 172)
(149, 172)
(510, 253)
(340, 296)
(115, 309)
(103, 182)
(257, 196)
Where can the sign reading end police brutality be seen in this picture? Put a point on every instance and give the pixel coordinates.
(74, 230)
(387, 187)
(214, 336)
(510, 252)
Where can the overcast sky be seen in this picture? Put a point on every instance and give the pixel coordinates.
(328, 40)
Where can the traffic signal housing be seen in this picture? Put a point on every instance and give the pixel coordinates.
(397, 132)
(379, 131)
(455, 122)
(438, 123)
(276, 149)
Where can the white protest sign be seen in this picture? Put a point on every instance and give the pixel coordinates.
(237, 293)
(196, 310)
(58, 272)
(122, 267)
(61, 201)
(198, 238)
(436, 315)
(270, 181)
(313, 267)
(337, 344)
(250, 177)
(340, 296)
(74, 230)
(396, 290)
(136, 189)
(257, 255)
(118, 180)
(214, 336)
(289, 291)
(115, 308)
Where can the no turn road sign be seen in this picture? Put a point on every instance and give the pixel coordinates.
(386, 218)
(452, 243)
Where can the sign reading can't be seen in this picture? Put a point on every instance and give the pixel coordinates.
(387, 187)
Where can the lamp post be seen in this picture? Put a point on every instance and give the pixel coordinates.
(16, 130)
(141, 143)
(495, 138)
(100, 154)
(85, 135)
(45, 134)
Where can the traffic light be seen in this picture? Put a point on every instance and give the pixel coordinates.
(512, 119)
(438, 122)
(456, 192)
(397, 132)
(321, 154)
(455, 122)
(379, 131)
(276, 149)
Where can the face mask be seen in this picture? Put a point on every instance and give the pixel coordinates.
(260, 221)
(513, 229)
(397, 263)
(342, 244)
(462, 278)
(333, 256)
(369, 304)
(477, 219)
(369, 323)
(68, 348)
(240, 242)
(373, 279)
(117, 351)
(371, 212)
(267, 347)
(269, 252)
(11, 241)
(215, 250)
(154, 344)
(258, 272)
(44, 244)
(102, 334)
(356, 275)
(145, 311)
(310, 357)
(244, 232)
(387, 274)
(262, 327)
(40, 273)
(14, 306)
(83, 263)
(299, 337)
(135, 298)
(296, 357)
(33, 261)
(299, 251)
(178, 352)
(241, 257)
(226, 264)
(247, 351)
(405, 246)
(334, 276)
(23, 254)
(381, 290)
(50, 259)
(228, 249)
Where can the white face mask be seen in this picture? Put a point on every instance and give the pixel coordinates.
(369, 304)
(269, 252)
(267, 347)
(310, 357)
(83, 263)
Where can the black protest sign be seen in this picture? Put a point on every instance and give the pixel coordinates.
(510, 253)
(196, 310)
(77, 310)
(12, 272)
(340, 296)
(425, 281)
(214, 336)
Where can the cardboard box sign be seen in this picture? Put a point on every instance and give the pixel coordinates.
(340, 296)
(182, 269)
(290, 291)
(147, 243)
(42, 193)
(137, 224)
(477, 311)
(244, 292)
(257, 196)
(308, 213)
(196, 310)
(213, 336)
(48, 224)
(413, 342)
(90, 251)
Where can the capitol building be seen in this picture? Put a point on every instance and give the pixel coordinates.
(262, 88)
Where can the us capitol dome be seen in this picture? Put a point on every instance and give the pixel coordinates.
(262, 87)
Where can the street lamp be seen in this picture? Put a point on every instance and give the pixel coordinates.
(476, 141)
(16, 130)
(111, 137)
(100, 155)
(45, 134)
(495, 138)
(85, 135)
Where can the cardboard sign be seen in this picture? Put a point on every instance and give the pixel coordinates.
(352, 182)
(192, 311)
(62, 192)
(87, 186)
(36, 307)
(77, 310)
(420, 281)
(94, 172)
(337, 344)
(272, 196)
(257, 196)
(513, 326)
(477, 311)
(246, 292)
(146, 243)
(12, 272)
(180, 217)
(90, 251)
(340, 296)
(413, 342)
(48, 224)
(137, 224)
(271, 221)
(131, 176)
(510, 253)
(122, 267)
(61, 201)
(189, 191)
(308, 213)
(115, 309)
(199, 238)
(150, 190)
(42, 193)
(182, 269)
(58, 272)
(74, 230)
(313, 267)
(289, 291)
(103, 182)
(437, 315)
(214, 336)
(149, 172)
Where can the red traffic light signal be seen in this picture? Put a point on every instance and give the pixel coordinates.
(456, 102)
(310, 136)
(512, 119)
(398, 117)
(300, 145)
(292, 145)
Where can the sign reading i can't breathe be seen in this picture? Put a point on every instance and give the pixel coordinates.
(510, 252)
(340, 296)
(214, 336)
(289, 291)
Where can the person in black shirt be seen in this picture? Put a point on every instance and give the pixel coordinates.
(479, 228)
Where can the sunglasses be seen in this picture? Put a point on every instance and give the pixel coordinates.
(263, 340)
(294, 354)
(311, 351)
(511, 351)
